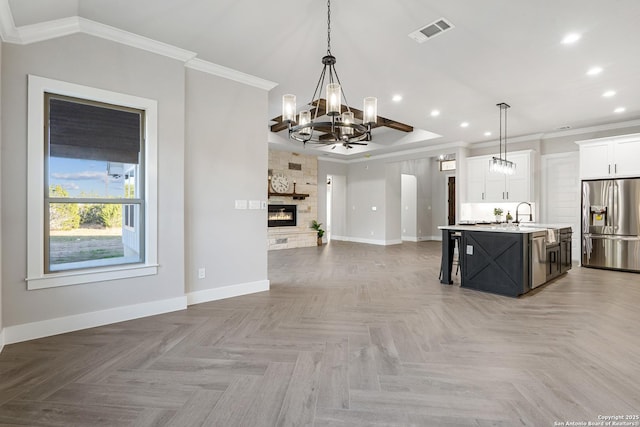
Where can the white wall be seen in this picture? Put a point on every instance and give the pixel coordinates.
(409, 207)
(1, 323)
(224, 166)
(338, 207)
(339, 221)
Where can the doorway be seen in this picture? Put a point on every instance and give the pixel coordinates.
(451, 199)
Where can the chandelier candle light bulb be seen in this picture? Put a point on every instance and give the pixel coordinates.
(303, 119)
(289, 107)
(370, 110)
(334, 100)
(347, 118)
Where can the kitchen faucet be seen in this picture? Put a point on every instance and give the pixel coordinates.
(530, 213)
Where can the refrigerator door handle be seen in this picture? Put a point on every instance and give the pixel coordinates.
(611, 237)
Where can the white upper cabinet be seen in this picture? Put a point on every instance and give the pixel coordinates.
(615, 157)
(486, 186)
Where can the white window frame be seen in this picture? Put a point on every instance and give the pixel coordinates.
(36, 276)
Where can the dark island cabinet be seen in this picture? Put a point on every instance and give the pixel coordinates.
(565, 250)
(495, 262)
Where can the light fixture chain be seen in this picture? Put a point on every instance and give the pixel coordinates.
(500, 140)
(328, 27)
(505, 133)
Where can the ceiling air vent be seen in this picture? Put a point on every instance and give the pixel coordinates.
(430, 31)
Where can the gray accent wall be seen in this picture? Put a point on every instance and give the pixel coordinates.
(204, 164)
(226, 160)
(94, 62)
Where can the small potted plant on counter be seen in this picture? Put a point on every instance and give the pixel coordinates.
(509, 217)
(316, 226)
(498, 213)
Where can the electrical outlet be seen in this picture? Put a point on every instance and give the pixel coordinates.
(201, 273)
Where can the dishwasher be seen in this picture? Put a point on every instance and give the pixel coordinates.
(538, 258)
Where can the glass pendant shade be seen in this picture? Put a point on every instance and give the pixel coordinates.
(304, 118)
(289, 108)
(370, 110)
(347, 118)
(334, 99)
(502, 166)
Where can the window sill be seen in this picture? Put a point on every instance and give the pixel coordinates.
(67, 278)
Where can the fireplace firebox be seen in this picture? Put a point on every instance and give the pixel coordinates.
(282, 215)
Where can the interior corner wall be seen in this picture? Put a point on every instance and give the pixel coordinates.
(421, 169)
(326, 168)
(393, 204)
(226, 160)
(439, 199)
(1, 323)
(99, 63)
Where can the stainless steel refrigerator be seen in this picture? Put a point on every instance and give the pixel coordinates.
(611, 224)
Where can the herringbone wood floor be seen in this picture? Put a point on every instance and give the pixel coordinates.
(348, 335)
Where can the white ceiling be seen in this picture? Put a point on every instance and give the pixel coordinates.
(499, 51)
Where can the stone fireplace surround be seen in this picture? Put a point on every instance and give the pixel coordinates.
(304, 171)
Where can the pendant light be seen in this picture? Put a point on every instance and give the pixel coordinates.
(498, 164)
(339, 126)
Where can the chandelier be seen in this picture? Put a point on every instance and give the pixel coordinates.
(498, 164)
(338, 123)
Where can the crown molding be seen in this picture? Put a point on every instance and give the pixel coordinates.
(228, 73)
(134, 40)
(598, 128)
(28, 34)
(433, 149)
(8, 30)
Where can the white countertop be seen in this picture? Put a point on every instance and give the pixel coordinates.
(523, 228)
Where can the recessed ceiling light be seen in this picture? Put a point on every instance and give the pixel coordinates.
(620, 110)
(571, 38)
(464, 124)
(594, 71)
(435, 113)
(397, 98)
(487, 134)
(609, 93)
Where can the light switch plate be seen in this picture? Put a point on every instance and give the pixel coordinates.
(241, 204)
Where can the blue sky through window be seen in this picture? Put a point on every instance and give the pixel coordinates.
(86, 178)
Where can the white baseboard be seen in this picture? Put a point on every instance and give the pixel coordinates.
(60, 325)
(410, 239)
(1, 339)
(367, 241)
(214, 294)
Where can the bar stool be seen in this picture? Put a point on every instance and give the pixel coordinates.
(457, 238)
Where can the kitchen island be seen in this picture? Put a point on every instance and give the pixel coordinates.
(507, 260)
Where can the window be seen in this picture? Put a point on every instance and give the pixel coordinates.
(92, 198)
(447, 165)
(91, 202)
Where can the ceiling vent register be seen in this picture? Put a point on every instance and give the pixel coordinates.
(432, 30)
